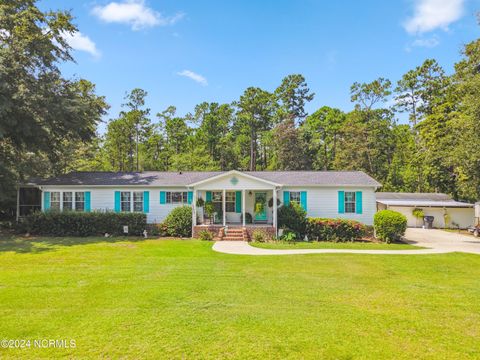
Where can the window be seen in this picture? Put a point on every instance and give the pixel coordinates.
(67, 201)
(230, 201)
(177, 197)
(125, 201)
(217, 201)
(138, 201)
(295, 196)
(55, 200)
(349, 201)
(79, 201)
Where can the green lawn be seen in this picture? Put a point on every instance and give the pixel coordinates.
(332, 245)
(179, 299)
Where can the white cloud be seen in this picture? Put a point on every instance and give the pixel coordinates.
(81, 42)
(427, 43)
(433, 14)
(194, 76)
(134, 13)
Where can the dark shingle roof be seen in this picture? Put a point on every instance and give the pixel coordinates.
(160, 178)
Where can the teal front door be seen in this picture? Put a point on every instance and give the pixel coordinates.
(260, 206)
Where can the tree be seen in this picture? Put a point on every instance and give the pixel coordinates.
(322, 129)
(293, 93)
(420, 89)
(40, 111)
(135, 101)
(290, 148)
(255, 114)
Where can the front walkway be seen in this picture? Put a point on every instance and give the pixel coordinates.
(437, 242)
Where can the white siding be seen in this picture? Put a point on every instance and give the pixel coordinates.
(464, 217)
(103, 199)
(323, 202)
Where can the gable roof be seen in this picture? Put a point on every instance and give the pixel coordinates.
(186, 178)
(419, 199)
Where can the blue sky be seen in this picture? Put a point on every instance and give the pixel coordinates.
(187, 51)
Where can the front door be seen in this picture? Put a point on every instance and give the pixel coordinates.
(260, 206)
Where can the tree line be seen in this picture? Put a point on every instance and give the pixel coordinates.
(48, 124)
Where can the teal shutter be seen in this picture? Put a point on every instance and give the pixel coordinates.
(286, 198)
(163, 197)
(303, 200)
(190, 197)
(87, 202)
(358, 202)
(238, 201)
(208, 196)
(46, 200)
(146, 201)
(341, 202)
(117, 201)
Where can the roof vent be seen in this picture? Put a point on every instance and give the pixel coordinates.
(180, 173)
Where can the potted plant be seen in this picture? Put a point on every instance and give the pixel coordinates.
(418, 213)
(209, 210)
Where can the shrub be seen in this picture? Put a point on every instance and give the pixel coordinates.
(389, 225)
(179, 222)
(157, 230)
(55, 223)
(205, 235)
(293, 217)
(334, 229)
(288, 236)
(258, 236)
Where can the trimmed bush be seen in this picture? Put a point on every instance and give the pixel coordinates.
(338, 230)
(55, 223)
(389, 225)
(294, 218)
(179, 222)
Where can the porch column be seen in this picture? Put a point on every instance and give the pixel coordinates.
(223, 208)
(194, 207)
(243, 207)
(275, 209)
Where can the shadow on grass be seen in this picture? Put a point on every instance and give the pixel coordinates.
(23, 245)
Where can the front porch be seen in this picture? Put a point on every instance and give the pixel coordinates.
(234, 203)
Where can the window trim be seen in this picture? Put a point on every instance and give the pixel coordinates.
(352, 202)
(59, 201)
(299, 197)
(123, 202)
(232, 202)
(134, 202)
(184, 197)
(72, 201)
(78, 201)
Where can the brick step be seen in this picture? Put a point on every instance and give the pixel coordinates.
(235, 235)
(235, 231)
(230, 238)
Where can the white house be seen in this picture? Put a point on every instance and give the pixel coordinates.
(241, 198)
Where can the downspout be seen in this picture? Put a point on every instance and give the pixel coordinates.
(18, 203)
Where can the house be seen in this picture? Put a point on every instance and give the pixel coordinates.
(245, 199)
(446, 211)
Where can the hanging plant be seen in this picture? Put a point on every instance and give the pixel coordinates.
(270, 202)
(200, 202)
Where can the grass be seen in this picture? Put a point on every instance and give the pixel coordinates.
(135, 298)
(333, 245)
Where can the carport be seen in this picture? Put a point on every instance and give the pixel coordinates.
(447, 212)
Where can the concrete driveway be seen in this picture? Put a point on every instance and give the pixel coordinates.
(443, 240)
(435, 242)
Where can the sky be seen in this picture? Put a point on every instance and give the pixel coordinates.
(185, 52)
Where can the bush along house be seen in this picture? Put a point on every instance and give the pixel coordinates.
(229, 200)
